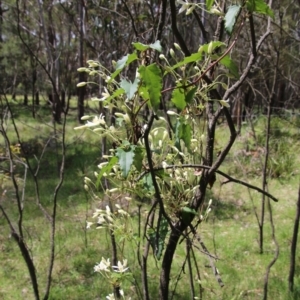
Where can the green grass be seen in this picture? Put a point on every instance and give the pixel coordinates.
(231, 231)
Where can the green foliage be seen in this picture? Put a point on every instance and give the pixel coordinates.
(183, 132)
(259, 6)
(122, 63)
(230, 17)
(142, 47)
(179, 98)
(106, 169)
(151, 75)
(231, 222)
(129, 87)
(209, 4)
(187, 214)
(126, 154)
(230, 65)
(157, 237)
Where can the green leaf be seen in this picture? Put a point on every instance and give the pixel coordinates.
(138, 158)
(143, 92)
(227, 62)
(178, 98)
(122, 63)
(125, 156)
(209, 4)
(140, 46)
(178, 134)
(156, 46)
(106, 169)
(148, 183)
(186, 214)
(183, 132)
(189, 59)
(187, 135)
(129, 87)
(190, 95)
(230, 17)
(157, 239)
(261, 7)
(151, 75)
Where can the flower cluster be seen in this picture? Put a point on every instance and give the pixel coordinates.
(105, 266)
(114, 273)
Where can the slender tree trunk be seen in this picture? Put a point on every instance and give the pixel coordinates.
(34, 78)
(63, 98)
(294, 246)
(37, 98)
(81, 90)
(25, 102)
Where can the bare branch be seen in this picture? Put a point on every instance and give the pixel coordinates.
(197, 166)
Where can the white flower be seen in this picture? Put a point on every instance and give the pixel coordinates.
(105, 95)
(123, 212)
(108, 211)
(190, 10)
(110, 297)
(164, 164)
(225, 103)
(102, 266)
(96, 121)
(89, 224)
(121, 268)
(101, 220)
(185, 5)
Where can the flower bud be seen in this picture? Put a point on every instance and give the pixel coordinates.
(87, 180)
(225, 103)
(200, 49)
(172, 113)
(84, 118)
(216, 11)
(190, 10)
(210, 48)
(80, 84)
(82, 69)
(172, 53)
(177, 46)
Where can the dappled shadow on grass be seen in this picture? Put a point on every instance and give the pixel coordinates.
(229, 209)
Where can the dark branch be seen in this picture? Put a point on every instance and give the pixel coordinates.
(197, 166)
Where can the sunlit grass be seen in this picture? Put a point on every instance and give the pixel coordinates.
(230, 233)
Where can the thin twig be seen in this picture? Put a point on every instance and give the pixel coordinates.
(197, 166)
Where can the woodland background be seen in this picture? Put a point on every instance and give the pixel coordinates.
(44, 162)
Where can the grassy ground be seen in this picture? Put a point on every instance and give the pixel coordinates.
(231, 231)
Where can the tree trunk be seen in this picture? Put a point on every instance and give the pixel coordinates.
(294, 246)
(25, 99)
(81, 90)
(56, 108)
(37, 98)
